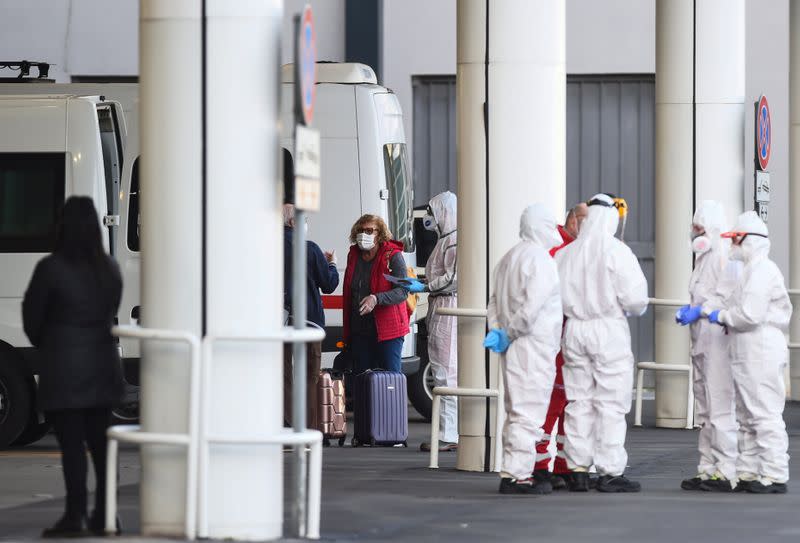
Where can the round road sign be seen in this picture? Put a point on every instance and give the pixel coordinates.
(763, 133)
(308, 64)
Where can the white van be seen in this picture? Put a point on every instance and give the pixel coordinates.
(52, 146)
(364, 170)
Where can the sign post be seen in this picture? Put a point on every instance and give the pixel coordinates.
(306, 198)
(763, 151)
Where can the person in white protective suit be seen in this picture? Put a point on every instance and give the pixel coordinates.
(440, 277)
(601, 284)
(757, 316)
(524, 318)
(713, 279)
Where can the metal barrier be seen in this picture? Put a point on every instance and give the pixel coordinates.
(497, 393)
(133, 433)
(310, 437)
(641, 367)
(197, 439)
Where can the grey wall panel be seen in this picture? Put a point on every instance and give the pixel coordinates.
(610, 148)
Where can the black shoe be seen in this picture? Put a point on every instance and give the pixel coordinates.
(617, 483)
(692, 484)
(757, 487)
(742, 485)
(560, 481)
(524, 486)
(716, 484)
(579, 482)
(67, 528)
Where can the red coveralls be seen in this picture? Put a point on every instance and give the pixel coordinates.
(558, 401)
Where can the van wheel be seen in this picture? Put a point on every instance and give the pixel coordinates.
(33, 432)
(420, 386)
(15, 403)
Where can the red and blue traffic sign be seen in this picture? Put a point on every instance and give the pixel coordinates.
(763, 133)
(308, 64)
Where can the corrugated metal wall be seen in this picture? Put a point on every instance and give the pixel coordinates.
(610, 148)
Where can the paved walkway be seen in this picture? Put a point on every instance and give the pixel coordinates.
(389, 495)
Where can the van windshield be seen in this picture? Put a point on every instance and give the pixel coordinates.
(401, 194)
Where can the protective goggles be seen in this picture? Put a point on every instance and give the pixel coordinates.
(738, 237)
(619, 203)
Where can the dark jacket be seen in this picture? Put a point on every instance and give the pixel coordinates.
(67, 314)
(320, 276)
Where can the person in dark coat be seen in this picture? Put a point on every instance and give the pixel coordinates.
(68, 310)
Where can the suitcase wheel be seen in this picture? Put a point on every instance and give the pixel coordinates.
(342, 440)
(326, 442)
(372, 442)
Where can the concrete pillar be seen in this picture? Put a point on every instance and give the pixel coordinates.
(171, 210)
(211, 234)
(511, 89)
(244, 288)
(794, 186)
(699, 155)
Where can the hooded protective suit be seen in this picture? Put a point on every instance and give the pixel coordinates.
(713, 279)
(440, 273)
(526, 303)
(601, 282)
(757, 316)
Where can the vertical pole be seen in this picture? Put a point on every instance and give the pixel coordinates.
(511, 88)
(299, 310)
(699, 155)
(244, 285)
(171, 55)
(794, 187)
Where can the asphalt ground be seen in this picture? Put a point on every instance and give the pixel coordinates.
(388, 494)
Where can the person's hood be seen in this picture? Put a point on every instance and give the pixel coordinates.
(444, 207)
(753, 246)
(601, 221)
(538, 225)
(710, 215)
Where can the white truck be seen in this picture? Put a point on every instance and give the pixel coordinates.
(57, 140)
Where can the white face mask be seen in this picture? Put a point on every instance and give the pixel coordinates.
(429, 222)
(701, 245)
(365, 241)
(736, 253)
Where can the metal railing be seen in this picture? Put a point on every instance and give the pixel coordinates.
(497, 393)
(134, 434)
(198, 439)
(308, 525)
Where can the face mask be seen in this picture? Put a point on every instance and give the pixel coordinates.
(429, 222)
(701, 245)
(365, 241)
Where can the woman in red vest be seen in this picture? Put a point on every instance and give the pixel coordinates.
(375, 312)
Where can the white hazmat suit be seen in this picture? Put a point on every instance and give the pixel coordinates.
(526, 303)
(601, 282)
(713, 279)
(757, 316)
(440, 273)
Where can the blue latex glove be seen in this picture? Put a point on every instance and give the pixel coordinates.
(415, 286)
(680, 313)
(691, 315)
(497, 340)
(714, 318)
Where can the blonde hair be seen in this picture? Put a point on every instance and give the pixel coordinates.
(382, 235)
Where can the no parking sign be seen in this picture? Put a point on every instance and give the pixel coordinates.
(763, 140)
(763, 133)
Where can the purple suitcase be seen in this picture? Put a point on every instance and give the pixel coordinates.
(381, 409)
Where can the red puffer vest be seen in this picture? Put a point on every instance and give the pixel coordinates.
(391, 321)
